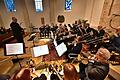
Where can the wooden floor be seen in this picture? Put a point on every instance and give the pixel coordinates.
(26, 55)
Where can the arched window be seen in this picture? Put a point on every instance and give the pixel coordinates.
(38, 5)
(68, 5)
(10, 5)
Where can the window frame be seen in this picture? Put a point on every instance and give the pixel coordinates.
(10, 5)
(70, 9)
(38, 6)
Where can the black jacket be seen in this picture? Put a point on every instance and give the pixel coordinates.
(97, 70)
(17, 31)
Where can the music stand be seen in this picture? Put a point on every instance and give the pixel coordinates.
(40, 50)
(14, 49)
(61, 49)
(32, 37)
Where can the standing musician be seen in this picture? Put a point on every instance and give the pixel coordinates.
(97, 67)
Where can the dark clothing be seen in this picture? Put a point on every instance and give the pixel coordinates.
(42, 77)
(77, 49)
(101, 33)
(95, 33)
(87, 30)
(4, 77)
(41, 31)
(114, 44)
(17, 31)
(94, 71)
(54, 77)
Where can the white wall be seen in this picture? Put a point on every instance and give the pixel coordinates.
(89, 10)
(78, 10)
(93, 11)
(6, 16)
(81, 9)
(35, 18)
(97, 10)
(21, 13)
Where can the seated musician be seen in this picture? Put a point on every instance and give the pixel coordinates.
(115, 41)
(101, 31)
(22, 74)
(2, 30)
(4, 77)
(54, 77)
(47, 30)
(53, 29)
(75, 46)
(70, 72)
(42, 32)
(61, 31)
(42, 77)
(97, 67)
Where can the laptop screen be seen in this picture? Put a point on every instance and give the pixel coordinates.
(61, 49)
(14, 49)
(40, 50)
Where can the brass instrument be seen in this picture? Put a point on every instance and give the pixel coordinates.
(86, 59)
(95, 40)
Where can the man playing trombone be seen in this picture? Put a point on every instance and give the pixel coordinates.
(97, 67)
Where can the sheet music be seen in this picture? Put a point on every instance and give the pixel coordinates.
(14, 49)
(61, 49)
(40, 50)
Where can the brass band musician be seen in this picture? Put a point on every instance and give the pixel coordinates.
(97, 68)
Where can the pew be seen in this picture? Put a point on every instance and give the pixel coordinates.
(6, 37)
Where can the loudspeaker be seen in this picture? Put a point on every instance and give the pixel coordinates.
(60, 18)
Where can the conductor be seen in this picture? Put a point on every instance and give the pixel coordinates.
(17, 31)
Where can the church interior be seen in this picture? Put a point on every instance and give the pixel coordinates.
(59, 39)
